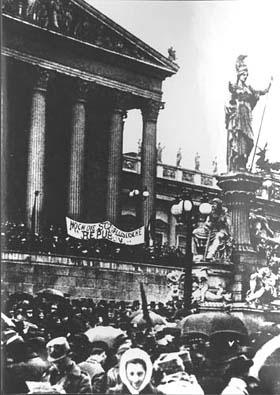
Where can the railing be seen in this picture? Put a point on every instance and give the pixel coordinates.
(133, 164)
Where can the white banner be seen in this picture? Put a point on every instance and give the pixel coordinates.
(104, 230)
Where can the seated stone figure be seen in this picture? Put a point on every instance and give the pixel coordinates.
(262, 286)
(212, 238)
(262, 236)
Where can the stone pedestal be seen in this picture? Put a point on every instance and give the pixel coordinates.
(36, 154)
(239, 189)
(76, 175)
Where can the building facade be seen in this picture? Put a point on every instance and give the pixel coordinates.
(70, 76)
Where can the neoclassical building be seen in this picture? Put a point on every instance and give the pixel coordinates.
(70, 74)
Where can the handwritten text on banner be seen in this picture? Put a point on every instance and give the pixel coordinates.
(104, 230)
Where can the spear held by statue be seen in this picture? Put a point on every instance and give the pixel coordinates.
(257, 141)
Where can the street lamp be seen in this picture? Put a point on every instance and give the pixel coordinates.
(139, 196)
(268, 185)
(182, 210)
(136, 193)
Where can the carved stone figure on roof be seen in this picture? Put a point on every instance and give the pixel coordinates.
(239, 117)
(211, 239)
(159, 152)
(171, 54)
(215, 165)
(179, 157)
(197, 162)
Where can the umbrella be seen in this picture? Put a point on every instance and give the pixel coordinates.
(19, 296)
(267, 355)
(107, 334)
(254, 324)
(50, 293)
(212, 324)
(155, 319)
(6, 320)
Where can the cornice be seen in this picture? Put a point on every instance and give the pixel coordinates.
(78, 21)
(73, 72)
(168, 64)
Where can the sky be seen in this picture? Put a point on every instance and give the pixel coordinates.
(207, 36)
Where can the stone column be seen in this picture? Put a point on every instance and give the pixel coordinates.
(239, 190)
(77, 147)
(150, 112)
(115, 160)
(172, 230)
(36, 154)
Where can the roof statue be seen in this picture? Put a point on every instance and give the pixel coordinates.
(172, 54)
(263, 164)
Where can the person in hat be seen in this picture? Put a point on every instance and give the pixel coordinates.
(166, 340)
(135, 372)
(67, 376)
(175, 379)
(236, 372)
(94, 366)
(28, 365)
(113, 374)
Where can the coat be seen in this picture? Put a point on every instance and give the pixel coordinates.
(122, 389)
(74, 381)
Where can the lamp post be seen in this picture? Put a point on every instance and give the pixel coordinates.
(139, 196)
(268, 185)
(182, 210)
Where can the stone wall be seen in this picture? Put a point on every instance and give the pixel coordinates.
(97, 279)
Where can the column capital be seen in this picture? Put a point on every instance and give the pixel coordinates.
(81, 89)
(150, 110)
(120, 100)
(42, 77)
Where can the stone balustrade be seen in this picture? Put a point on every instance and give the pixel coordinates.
(133, 164)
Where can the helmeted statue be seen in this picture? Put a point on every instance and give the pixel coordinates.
(239, 117)
(212, 238)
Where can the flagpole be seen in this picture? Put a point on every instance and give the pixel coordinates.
(257, 141)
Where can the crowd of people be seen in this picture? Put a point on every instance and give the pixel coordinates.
(54, 344)
(17, 237)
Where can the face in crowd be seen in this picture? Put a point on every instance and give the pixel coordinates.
(136, 372)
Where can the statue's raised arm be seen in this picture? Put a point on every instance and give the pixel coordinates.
(239, 117)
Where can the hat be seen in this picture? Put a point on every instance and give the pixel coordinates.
(58, 348)
(92, 369)
(98, 347)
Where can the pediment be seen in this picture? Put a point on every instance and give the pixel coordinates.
(78, 20)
